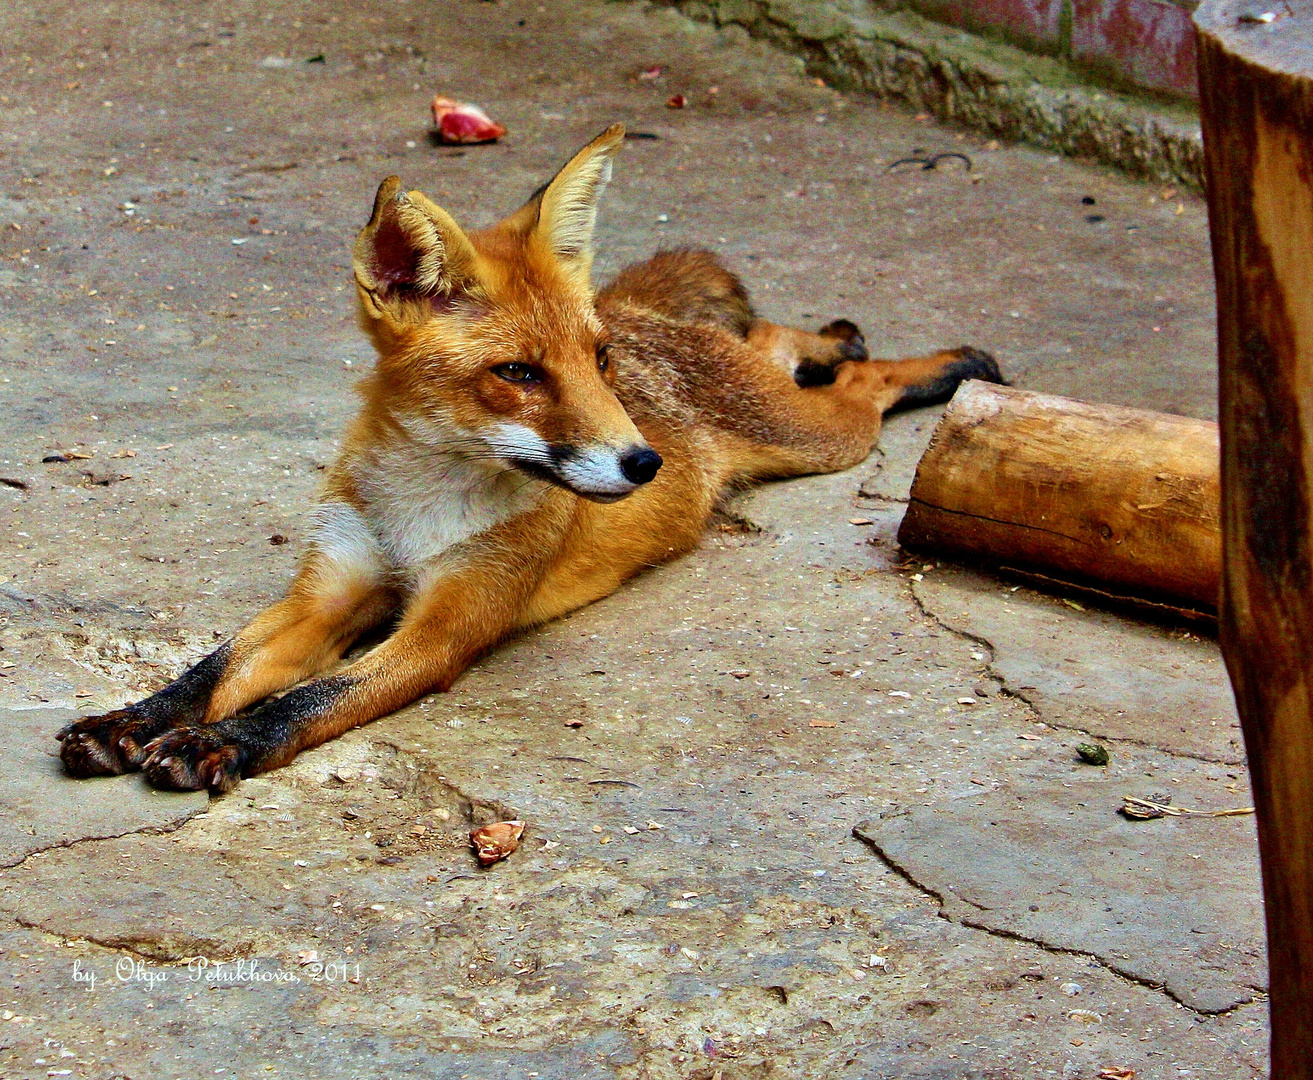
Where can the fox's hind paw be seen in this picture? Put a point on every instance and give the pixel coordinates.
(977, 364)
(852, 343)
(842, 341)
(958, 365)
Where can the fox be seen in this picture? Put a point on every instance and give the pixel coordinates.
(526, 443)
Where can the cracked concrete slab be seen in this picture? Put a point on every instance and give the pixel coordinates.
(31, 820)
(1095, 671)
(1056, 865)
(688, 887)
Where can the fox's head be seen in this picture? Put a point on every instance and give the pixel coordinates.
(489, 343)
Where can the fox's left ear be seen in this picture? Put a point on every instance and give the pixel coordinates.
(567, 211)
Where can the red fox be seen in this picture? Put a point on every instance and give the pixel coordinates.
(526, 444)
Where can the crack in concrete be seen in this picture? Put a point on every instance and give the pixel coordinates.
(1039, 943)
(966, 920)
(984, 643)
(1143, 743)
(1058, 725)
(470, 806)
(145, 830)
(118, 945)
(1148, 984)
(967, 634)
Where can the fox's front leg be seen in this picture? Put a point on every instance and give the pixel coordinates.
(445, 627)
(106, 745)
(330, 603)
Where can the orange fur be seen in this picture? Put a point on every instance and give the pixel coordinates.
(503, 471)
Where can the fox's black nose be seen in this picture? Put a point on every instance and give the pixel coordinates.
(639, 466)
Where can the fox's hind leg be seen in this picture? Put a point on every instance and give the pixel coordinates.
(780, 428)
(811, 358)
(801, 401)
(938, 382)
(685, 286)
(693, 287)
(328, 606)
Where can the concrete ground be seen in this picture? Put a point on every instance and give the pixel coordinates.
(875, 854)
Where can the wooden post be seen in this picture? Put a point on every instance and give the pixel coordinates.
(1256, 88)
(1119, 499)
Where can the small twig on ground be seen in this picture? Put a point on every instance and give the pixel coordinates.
(1147, 808)
(932, 161)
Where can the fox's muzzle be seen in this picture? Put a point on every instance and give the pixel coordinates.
(605, 473)
(599, 471)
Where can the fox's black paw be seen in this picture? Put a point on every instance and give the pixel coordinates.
(852, 343)
(106, 745)
(811, 373)
(976, 364)
(844, 341)
(193, 759)
(967, 362)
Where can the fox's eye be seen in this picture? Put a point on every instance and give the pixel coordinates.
(603, 358)
(515, 372)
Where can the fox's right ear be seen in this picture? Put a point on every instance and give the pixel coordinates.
(412, 260)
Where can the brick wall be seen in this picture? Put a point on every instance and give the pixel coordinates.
(1146, 44)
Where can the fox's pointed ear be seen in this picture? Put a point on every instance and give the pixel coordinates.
(567, 211)
(412, 260)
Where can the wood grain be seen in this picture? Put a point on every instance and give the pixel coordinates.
(1256, 82)
(1094, 494)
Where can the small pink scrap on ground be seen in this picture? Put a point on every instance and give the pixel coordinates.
(494, 842)
(460, 122)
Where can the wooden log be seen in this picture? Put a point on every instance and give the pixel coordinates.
(1256, 89)
(1118, 498)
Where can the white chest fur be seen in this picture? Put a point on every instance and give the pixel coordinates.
(419, 502)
